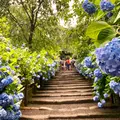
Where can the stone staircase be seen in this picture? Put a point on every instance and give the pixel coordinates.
(68, 97)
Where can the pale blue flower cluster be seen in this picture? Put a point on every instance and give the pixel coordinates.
(106, 5)
(89, 7)
(105, 95)
(115, 86)
(96, 98)
(108, 57)
(101, 103)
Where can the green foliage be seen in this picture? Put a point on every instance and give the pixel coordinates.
(100, 32)
(117, 18)
(94, 29)
(23, 62)
(4, 26)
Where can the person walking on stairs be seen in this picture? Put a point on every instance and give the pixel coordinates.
(68, 63)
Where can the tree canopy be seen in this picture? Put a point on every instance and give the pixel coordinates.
(60, 25)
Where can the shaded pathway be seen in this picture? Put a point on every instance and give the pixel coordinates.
(67, 96)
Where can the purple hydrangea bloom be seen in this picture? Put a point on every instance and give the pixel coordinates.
(89, 7)
(106, 5)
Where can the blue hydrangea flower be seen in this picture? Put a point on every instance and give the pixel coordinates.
(96, 98)
(89, 7)
(96, 79)
(88, 62)
(38, 76)
(6, 81)
(21, 96)
(1, 87)
(3, 114)
(16, 107)
(106, 5)
(18, 114)
(100, 105)
(108, 57)
(103, 101)
(6, 100)
(109, 14)
(105, 95)
(43, 78)
(11, 100)
(10, 115)
(115, 86)
(98, 73)
(16, 98)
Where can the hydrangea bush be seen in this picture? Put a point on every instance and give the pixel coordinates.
(101, 92)
(10, 94)
(19, 66)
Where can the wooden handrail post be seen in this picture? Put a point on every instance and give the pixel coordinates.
(26, 95)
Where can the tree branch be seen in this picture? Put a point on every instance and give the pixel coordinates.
(36, 15)
(14, 18)
(26, 10)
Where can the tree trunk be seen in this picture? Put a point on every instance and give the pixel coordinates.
(32, 28)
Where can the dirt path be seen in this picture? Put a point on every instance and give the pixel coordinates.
(68, 97)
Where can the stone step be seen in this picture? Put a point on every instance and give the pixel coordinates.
(61, 100)
(64, 82)
(62, 94)
(70, 107)
(67, 88)
(70, 80)
(66, 85)
(37, 114)
(61, 106)
(69, 77)
(64, 91)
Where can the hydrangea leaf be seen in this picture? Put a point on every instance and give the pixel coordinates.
(106, 35)
(97, 2)
(100, 14)
(112, 1)
(95, 28)
(118, 17)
